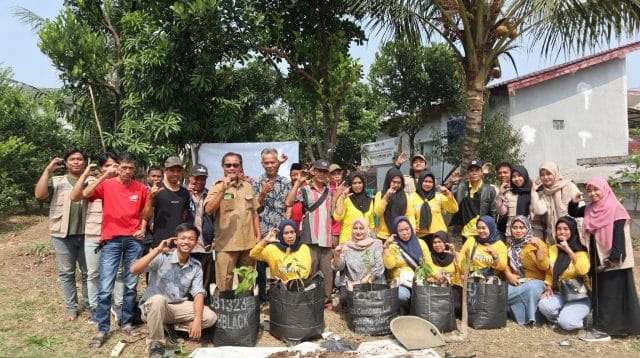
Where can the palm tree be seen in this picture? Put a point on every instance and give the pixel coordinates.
(482, 32)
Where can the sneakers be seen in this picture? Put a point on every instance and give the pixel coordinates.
(116, 312)
(595, 336)
(156, 350)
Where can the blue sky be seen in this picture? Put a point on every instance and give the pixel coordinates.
(19, 50)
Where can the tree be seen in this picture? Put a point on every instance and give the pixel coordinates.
(418, 81)
(30, 135)
(481, 33)
(313, 38)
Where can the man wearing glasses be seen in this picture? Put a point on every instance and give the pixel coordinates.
(237, 224)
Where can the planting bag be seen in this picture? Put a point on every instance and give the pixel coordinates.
(238, 321)
(297, 316)
(372, 307)
(435, 304)
(487, 305)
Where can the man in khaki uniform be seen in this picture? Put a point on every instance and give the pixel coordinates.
(237, 224)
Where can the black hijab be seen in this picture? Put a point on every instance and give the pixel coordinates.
(523, 192)
(282, 245)
(360, 200)
(425, 209)
(563, 259)
(397, 203)
(442, 259)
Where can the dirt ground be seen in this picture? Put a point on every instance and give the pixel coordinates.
(31, 314)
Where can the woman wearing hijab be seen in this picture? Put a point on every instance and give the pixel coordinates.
(359, 259)
(568, 260)
(445, 264)
(528, 264)
(515, 199)
(392, 202)
(402, 254)
(550, 197)
(489, 252)
(282, 250)
(607, 237)
(353, 203)
(428, 204)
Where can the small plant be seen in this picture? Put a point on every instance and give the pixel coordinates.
(630, 175)
(38, 249)
(247, 277)
(296, 284)
(423, 272)
(47, 342)
(369, 264)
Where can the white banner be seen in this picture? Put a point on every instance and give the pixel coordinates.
(379, 153)
(210, 155)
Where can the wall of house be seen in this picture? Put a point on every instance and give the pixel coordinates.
(436, 124)
(591, 106)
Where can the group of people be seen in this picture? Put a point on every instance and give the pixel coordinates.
(535, 234)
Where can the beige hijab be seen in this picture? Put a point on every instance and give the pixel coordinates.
(555, 196)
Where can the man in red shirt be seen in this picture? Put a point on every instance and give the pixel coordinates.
(123, 199)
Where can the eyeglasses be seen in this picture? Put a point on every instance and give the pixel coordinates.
(231, 165)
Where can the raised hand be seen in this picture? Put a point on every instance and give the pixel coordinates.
(55, 164)
(267, 186)
(88, 169)
(282, 158)
(155, 189)
(578, 198)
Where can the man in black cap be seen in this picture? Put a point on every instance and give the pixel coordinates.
(169, 202)
(418, 166)
(475, 198)
(202, 251)
(316, 201)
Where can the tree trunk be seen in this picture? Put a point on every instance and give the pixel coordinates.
(323, 41)
(475, 103)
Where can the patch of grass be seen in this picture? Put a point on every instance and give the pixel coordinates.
(47, 342)
(23, 309)
(39, 249)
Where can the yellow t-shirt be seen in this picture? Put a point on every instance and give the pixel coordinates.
(379, 206)
(284, 265)
(533, 269)
(394, 263)
(439, 203)
(481, 258)
(580, 269)
(349, 213)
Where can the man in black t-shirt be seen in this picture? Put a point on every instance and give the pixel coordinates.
(169, 204)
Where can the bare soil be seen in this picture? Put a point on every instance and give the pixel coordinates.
(31, 315)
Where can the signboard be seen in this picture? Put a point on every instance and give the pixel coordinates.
(210, 155)
(380, 153)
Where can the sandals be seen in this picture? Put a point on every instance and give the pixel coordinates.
(98, 340)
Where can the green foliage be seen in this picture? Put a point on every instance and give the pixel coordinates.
(247, 276)
(629, 176)
(423, 272)
(47, 342)
(39, 249)
(417, 81)
(30, 135)
(498, 142)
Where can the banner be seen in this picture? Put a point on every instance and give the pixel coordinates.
(210, 155)
(380, 153)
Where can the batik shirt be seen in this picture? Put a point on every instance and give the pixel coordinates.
(273, 207)
(174, 282)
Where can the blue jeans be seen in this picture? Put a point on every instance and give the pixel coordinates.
(404, 298)
(93, 275)
(70, 250)
(128, 249)
(523, 300)
(568, 315)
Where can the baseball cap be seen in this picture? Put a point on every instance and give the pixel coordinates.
(418, 156)
(334, 167)
(199, 170)
(475, 163)
(172, 162)
(321, 164)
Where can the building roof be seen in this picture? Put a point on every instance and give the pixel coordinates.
(566, 68)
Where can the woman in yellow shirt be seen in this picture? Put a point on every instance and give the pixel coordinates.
(428, 205)
(402, 254)
(353, 203)
(282, 250)
(392, 202)
(569, 259)
(490, 255)
(528, 264)
(445, 264)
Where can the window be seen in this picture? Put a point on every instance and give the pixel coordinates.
(558, 124)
